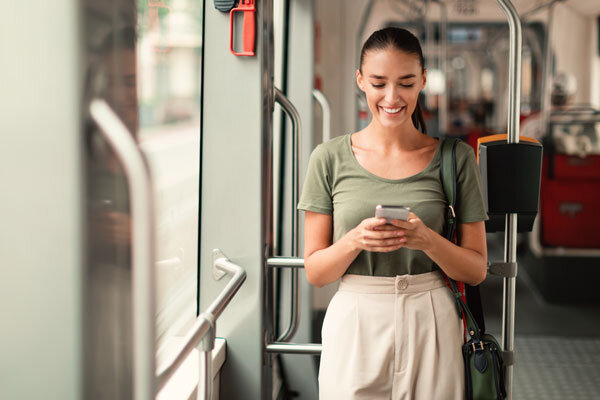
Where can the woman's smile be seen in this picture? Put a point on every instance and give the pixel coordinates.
(392, 112)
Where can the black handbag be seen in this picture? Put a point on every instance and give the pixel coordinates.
(482, 356)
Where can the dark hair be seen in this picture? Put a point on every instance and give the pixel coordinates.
(402, 40)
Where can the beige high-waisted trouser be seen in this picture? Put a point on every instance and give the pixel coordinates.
(392, 338)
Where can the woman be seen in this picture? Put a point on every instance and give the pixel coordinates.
(392, 330)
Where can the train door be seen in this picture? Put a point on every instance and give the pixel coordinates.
(143, 77)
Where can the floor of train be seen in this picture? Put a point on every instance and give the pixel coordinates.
(557, 342)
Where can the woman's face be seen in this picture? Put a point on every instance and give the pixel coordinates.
(391, 80)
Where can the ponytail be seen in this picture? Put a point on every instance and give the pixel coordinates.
(417, 118)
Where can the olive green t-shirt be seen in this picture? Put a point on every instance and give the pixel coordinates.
(336, 184)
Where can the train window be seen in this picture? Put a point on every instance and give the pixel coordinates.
(169, 76)
(465, 35)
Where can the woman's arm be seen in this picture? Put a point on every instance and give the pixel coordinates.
(325, 263)
(466, 262)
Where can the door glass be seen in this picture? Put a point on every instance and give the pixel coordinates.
(146, 63)
(169, 80)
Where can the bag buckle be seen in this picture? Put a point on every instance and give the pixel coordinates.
(452, 210)
(475, 349)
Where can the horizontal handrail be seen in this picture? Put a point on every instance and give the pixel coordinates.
(294, 348)
(205, 322)
(285, 262)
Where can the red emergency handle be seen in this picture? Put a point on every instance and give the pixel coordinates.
(248, 7)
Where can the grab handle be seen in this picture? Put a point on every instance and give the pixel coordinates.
(291, 111)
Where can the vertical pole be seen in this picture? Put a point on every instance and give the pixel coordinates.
(510, 238)
(547, 69)
(443, 62)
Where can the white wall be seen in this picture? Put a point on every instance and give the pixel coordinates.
(572, 37)
(40, 202)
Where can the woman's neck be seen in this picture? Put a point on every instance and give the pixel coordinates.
(403, 138)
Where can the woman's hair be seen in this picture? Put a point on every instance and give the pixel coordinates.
(402, 40)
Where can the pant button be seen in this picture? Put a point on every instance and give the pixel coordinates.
(402, 284)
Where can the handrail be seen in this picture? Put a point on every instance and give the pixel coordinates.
(291, 111)
(285, 262)
(142, 225)
(204, 327)
(326, 108)
(510, 236)
(294, 348)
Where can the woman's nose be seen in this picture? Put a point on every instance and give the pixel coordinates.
(392, 94)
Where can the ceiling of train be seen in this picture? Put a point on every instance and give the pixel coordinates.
(417, 8)
(586, 7)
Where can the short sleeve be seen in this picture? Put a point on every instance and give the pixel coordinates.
(469, 202)
(316, 191)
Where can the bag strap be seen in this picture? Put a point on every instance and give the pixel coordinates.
(448, 178)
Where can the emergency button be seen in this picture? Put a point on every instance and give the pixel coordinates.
(402, 284)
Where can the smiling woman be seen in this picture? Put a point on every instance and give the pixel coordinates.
(391, 331)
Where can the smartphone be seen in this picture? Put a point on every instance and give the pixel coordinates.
(392, 212)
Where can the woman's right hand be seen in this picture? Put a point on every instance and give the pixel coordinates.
(373, 234)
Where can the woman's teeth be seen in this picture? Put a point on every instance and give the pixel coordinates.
(392, 110)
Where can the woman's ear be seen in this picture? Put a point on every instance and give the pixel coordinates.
(424, 79)
(359, 80)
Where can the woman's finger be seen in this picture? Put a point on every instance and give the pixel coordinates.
(383, 242)
(382, 235)
(386, 227)
(371, 223)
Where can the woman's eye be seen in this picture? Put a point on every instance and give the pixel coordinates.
(378, 85)
(408, 86)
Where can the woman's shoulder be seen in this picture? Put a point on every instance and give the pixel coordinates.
(331, 147)
(464, 151)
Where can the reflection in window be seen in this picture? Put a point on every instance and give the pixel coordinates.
(169, 78)
(170, 57)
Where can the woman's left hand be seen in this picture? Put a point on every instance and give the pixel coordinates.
(418, 235)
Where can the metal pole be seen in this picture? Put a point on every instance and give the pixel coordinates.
(326, 109)
(443, 99)
(361, 32)
(205, 386)
(547, 69)
(428, 34)
(295, 348)
(510, 238)
(291, 111)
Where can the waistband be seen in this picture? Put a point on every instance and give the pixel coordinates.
(392, 284)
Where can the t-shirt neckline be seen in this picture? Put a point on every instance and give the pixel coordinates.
(379, 178)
